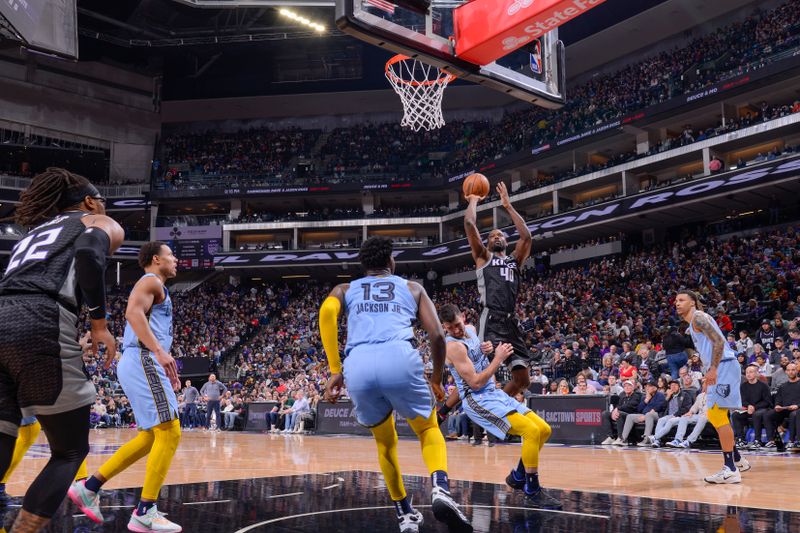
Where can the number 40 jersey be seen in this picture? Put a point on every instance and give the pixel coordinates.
(498, 283)
(43, 263)
(379, 309)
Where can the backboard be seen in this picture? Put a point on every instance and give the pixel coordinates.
(534, 73)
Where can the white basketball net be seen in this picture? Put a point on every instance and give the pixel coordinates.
(420, 87)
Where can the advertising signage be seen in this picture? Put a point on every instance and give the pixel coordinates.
(725, 183)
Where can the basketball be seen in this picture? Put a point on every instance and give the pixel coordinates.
(476, 184)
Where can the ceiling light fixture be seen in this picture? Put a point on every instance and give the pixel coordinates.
(301, 19)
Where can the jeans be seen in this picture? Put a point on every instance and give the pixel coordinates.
(665, 424)
(190, 415)
(452, 424)
(272, 420)
(291, 419)
(230, 418)
(699, 424)
(213, 405)
(675, 362)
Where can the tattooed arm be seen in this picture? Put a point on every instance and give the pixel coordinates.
(702, 323)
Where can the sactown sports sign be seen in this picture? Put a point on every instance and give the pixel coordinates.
(725, 183)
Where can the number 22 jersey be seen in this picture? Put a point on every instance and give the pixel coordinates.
(43, 263)
(379, 309)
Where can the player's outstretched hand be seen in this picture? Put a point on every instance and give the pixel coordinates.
(101, 335)
(504, 351)
(167, 362)
(503, 192)
(334, 388)
(487, 347)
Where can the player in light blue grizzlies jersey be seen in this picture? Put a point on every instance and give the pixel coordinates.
(723, 376)
(383, 372)
(149, 376)
(490, 407)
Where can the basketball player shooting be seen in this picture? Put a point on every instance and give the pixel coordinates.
(498, 284)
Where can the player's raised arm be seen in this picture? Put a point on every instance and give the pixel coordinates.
(430, 323)
(479, 252)
(145, 293)
(457, 355)
(329, 333)
(522, 250)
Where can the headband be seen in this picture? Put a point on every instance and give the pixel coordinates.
(75, 195)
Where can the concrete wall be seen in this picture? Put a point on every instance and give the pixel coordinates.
(106, 106)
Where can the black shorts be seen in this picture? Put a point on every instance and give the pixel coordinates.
(498, 328)
(41, 363)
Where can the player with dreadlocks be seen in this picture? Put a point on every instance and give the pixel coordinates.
(54, 269)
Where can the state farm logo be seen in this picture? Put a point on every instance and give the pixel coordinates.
(512, 43)
(517, 5)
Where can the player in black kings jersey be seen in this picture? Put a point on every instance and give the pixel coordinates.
(498, 284)
(57, 266)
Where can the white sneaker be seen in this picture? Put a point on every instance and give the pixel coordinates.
(152, 522)
(410, 522)
(87, 501)
(743, 465)
(619, 442)
(724, 476)
(608, 442)
(644, 443)
(674, 443)
(655, 443)
(447, 511)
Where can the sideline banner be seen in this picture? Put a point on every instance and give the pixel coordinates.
(339, 418)
(574, 419)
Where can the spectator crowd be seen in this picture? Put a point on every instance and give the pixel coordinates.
(386, 152)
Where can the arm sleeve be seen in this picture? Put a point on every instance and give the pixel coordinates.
(90, 268)
(329, 331)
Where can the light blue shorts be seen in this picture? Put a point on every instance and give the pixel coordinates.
(726, 393)
(490, 410)
(146, 385)
(386, 377)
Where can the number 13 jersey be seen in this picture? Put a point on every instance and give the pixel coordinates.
(498, 283)
(379, 309)
(42, 262)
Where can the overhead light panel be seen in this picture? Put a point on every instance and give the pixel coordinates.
(288, 13)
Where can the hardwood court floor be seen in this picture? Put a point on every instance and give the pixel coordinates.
(658, 474)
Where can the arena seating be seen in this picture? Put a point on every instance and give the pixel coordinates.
(385, 151)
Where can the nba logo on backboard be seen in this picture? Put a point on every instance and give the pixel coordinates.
(536, 56)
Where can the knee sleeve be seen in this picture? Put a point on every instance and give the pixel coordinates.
(544, 428)
(531, 436)
(167, 436)
(25, 439)
(129, 453)
(718, 416)
(434, 449)
(386, 440)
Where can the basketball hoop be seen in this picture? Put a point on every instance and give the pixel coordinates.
(420, 87)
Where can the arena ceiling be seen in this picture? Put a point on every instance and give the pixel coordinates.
(229, 48)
